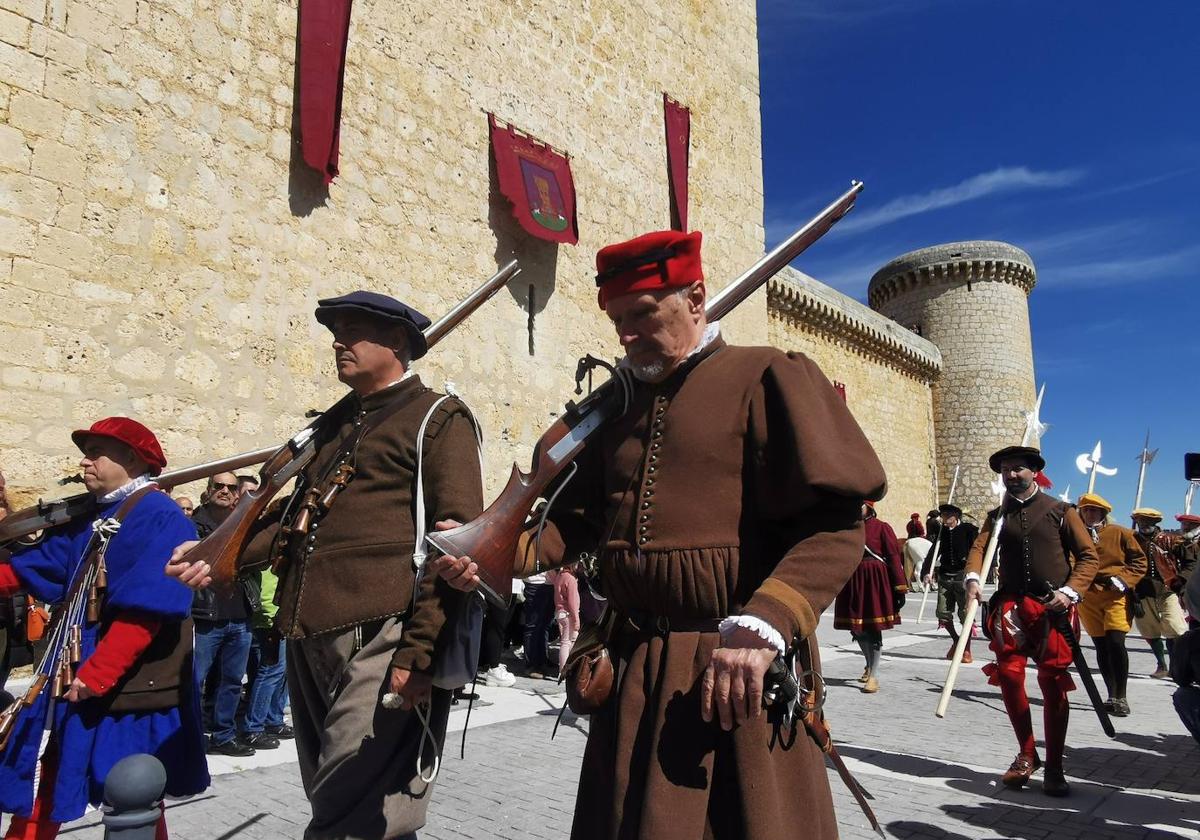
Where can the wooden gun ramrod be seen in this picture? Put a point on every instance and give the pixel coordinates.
(490, 540)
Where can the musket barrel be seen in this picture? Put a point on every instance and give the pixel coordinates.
(723, 302)
(469, 304)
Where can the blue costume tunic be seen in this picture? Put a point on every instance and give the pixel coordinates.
(89, 741)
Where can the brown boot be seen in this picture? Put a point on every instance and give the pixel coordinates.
(871, 685)
(967, 658)
(1018, 773)
(866, 673)
(1054, 784)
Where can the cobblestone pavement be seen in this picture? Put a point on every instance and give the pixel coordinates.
(930, 778)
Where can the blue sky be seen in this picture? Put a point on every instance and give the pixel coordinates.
(1069, 129)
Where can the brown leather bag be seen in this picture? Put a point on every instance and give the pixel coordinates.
(589, 673)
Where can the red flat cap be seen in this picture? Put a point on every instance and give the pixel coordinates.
(665, 259)
(1188, 519)
(129, 432)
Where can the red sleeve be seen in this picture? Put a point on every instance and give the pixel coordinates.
(127, 636)
(9, 583)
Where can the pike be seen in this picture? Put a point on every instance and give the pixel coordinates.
(933, 551)
(1090, 465)
(1034, 427)
(221, 549)
(1144, 460)
(490, 540)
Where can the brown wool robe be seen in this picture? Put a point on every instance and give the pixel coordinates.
(734, 487)
(344, 596)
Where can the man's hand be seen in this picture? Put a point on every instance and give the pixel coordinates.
(78, 691)
(191, 575)
(459, 572)
(733, 680)
(412, 687)
(974, 590)
(927, 580)
(1060, 602)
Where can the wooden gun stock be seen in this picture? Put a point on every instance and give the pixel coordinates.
(490, 539)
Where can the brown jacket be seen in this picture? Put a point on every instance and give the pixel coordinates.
(734, 487)
(1042, 540)
(1120, 556)
(356, 564)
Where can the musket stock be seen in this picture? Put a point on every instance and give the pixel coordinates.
(222, 548)
(490, 540)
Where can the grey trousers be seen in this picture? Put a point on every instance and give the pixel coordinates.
(358, 759)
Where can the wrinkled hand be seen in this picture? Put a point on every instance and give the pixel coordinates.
(1059, 603)
(733, 680)
(974, 590)
(459, 572)
(78, 691)
(191, 575)
(412, 687)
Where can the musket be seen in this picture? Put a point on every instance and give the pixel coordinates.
(222, 548)
(1060, 620)
(490, 540)
(934, 550)
(43, 515)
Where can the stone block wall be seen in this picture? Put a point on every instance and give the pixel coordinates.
(887, 372)
(971, 300)
(162, 248)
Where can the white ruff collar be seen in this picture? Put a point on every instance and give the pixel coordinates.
(126, 490)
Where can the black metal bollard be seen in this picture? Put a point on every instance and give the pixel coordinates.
(133, 790)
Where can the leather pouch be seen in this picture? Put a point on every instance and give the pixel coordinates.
(589, 673)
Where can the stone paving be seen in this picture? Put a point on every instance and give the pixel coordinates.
(930, 778)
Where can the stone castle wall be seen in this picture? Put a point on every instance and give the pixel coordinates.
(970, 299)
(887, 371)
(162, 249)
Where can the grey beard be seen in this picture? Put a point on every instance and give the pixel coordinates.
(649, 372)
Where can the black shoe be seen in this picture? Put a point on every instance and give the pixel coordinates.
(1120, 707)
(261, 741)
(283, 732)
(232, 747)
(1053, 783)
(464, 694)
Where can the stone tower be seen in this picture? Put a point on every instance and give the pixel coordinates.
(970, 299)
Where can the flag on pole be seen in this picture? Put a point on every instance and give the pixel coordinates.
(678, 121)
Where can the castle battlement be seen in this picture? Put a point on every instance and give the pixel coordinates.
(954, 262)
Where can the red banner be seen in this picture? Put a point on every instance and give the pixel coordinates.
(678, 121)
(536, 179)
(324, 27)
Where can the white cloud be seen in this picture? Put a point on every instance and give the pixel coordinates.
(1005, 179)
(1121, 271)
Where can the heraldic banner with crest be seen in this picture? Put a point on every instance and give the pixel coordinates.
(536, 179)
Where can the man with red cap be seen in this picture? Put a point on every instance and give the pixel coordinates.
(725, 506)
(1042, 542)
(360, 622)
(1107, 607)
(128, 685)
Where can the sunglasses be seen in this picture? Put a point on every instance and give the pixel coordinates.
(217, 485)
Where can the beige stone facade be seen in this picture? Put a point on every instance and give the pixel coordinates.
(162, 249)
(162, 246)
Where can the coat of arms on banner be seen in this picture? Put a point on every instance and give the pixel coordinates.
(536, 179)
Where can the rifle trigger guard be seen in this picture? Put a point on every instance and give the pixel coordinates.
(584, 368)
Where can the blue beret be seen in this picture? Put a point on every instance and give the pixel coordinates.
(381, 306)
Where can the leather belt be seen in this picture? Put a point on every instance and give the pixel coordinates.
(651, 624)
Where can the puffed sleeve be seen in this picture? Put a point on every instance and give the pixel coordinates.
(811, 467)
(136, 557)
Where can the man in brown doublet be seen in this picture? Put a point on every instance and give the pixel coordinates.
(725, 509)
(1042, 541)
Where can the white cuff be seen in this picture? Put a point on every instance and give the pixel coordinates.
(971, 576)
(763, 630)
(1070, 593)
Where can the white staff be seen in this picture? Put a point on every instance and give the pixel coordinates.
(1187, 497)
(1144, 459)
(934, 550)
(1033, 427)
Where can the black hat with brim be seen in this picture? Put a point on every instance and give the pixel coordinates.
(380, 306)
(949, 508)
(1031, 455)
